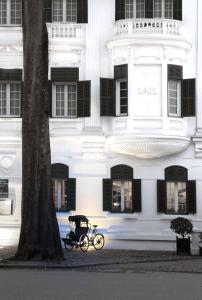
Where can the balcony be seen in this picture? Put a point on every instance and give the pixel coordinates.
(64, 31)
(149, 27)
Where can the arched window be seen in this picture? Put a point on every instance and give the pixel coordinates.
(176, 194)
(122, 193)
(63, 188)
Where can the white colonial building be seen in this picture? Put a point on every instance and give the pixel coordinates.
(126, 116)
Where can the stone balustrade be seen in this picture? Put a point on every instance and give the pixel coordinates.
(67, 31)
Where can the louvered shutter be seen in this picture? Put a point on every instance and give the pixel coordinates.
(175, 72)
(107, 195)
(70, 194)
(121, 71)
(121, 172)
(11, 74)
(65, 74)
(191, 196)
(119, 10)
(177, 10)
(136, 195)
(22, 97)
(48, 11)
(161, 196)
(83, 98)
(188, 98)
(50, 91)
(23, 5)
(149, 9)
(82, 11)
(107, 97)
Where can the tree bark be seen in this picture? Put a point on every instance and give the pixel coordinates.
(39, 235)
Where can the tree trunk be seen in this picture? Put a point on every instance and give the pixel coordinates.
(39, 235)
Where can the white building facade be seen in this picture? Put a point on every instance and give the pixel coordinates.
(126, 116)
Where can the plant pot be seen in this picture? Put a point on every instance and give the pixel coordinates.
(200, 249)
(183, 246)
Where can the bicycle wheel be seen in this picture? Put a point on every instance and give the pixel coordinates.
(98, 241)
(68, 244)
(84, 242)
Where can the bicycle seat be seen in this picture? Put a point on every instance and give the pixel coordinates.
(95, 226)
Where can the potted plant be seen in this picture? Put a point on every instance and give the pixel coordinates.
(200, 244)
(183, 227)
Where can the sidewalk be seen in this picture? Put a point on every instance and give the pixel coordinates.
(110, 261)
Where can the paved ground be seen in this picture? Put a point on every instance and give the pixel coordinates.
(115, 261)
(60, 285)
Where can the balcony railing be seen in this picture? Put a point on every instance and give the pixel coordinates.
(148, 26)
(68, 31)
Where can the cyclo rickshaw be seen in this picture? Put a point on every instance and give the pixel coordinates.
(82, 234)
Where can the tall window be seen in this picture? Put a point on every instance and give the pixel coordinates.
(176, 197)
(122, 196)
(134, 9)
(163, 9)
(10, 12)
(121, 97)
(65, 11)
(10, 98)
(174, 98)
(65, 104)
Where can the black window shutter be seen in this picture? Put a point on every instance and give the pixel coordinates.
(83, 98)
(161, 196)
(107, 194)
(22, 14)
(188, 98)
(175, 72)
(121, 72)
(22, 97)
(149, 9)
(136, 196)
(50, 98)
(119, 10)
(177, 10)
(48, 11)
(191, 196)
(70, 194)
(107, 97)
(65, 74)
(11, 74)
(82, 11)
(122, 172)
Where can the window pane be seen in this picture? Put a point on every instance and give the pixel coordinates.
(157, 8)
(57, 10)
(59, 194)
(60, 100)
(15, 97)
(3, 102)
(71, 11)
(123, 97)
(176, 197)
(3, 12)
(16, 12)
(129, 9)
(122, 196)
(140, 9)
(168, 9)
(172, 98)
(71, 100)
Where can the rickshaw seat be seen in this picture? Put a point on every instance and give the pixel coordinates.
(79, 231)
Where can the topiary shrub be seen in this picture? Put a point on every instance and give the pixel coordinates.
(181, 226)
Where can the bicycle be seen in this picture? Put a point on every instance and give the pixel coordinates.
(96, 239)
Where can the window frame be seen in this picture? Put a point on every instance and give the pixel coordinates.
(66, 100)
(8, 15)
(133, 13)
(118, 98)
(8, 99)
(176, 200)
(123, 195)
(177, 99)
(163, 10)
(64, 13)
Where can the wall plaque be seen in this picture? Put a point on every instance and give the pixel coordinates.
(3, 188)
